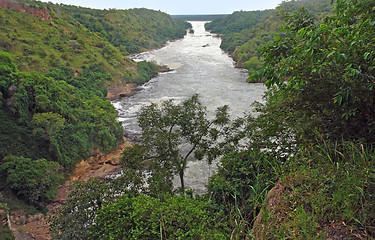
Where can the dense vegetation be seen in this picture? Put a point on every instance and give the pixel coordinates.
(243, 33)
(57, 116)
(55, 64)
(320, 77)
(312, 138)
(236, 22)
(134, 30)
(76, 37)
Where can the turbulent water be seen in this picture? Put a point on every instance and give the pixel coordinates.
(199, 66)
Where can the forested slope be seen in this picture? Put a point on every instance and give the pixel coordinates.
(244, 33)
(74, 37)
(133, 30)
(55, 64)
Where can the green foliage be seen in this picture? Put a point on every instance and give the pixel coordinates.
(68, 119)
(5, 232)
(240, 187)
(329, 71)
(35, 181)
(48, 123)
(59, 111)
(320, 78)
(146, 71)
(236, 22)
(40, 45)
(166, 127)
(328, 184)
(244, 33)
(132, 163)
(134, 30)
(19, 139)
(77, 37)
(91, 81)
(74, 219)
(145, 217)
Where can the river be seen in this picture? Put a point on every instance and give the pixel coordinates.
(199, 66)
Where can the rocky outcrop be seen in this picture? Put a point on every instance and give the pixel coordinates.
(22, 219)
(99, 165)
(120, 90)
(272, 214)
(21, 7)
(20, 224)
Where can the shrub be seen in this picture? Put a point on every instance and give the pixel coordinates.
(33, 180)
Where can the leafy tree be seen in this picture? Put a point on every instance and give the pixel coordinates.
(245, 32)
(36, 181)
(146, 71)
(75, 218)
(326, 72)
(62, 115)
(48, 122)
(133, 165)
(236, 22)
(171, 134)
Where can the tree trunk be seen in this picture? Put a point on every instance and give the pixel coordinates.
(181, 173)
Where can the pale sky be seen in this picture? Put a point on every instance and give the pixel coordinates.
(175, 7)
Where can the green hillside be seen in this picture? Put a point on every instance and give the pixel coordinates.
(244, 33)
(75, 37)
(55, 64)
(133, 30)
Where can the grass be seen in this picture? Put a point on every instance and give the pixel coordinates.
(5, 232)
(329, 191)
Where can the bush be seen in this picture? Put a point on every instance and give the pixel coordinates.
(35, 181)
(146, 71)
(240, 186)
(145, 217)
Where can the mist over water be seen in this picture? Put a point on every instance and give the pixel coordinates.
(199, 66)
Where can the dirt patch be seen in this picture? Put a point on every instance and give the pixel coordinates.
(20, 7)
(337, 230)
(38, 230)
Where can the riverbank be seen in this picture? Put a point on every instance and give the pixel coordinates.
(120, 90)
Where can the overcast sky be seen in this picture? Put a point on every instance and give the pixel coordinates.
(177, 6)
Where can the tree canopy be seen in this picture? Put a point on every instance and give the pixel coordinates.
(245, 32)
(325, 71)
(172, 134)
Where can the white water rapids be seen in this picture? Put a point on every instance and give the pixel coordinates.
(199, 66)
